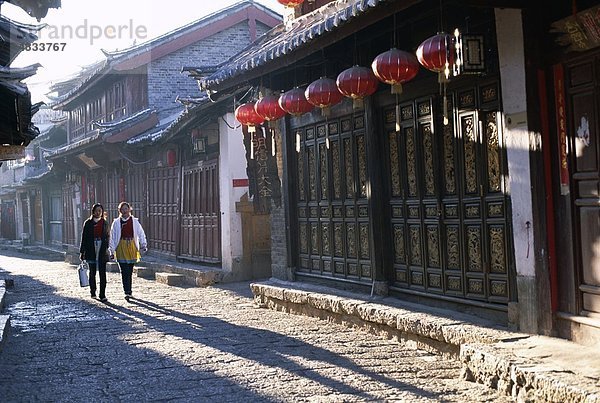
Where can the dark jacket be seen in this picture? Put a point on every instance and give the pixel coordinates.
(87, 241)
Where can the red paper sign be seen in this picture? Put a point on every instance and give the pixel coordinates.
(561, 124)
(240, 183)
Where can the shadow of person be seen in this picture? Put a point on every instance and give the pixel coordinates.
(262, 346)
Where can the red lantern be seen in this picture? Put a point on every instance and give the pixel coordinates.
(395, 67)
(323, 93)
(437, 54)
(294, 102)
(268, 108)
(246, 115)
(356, 83)
(291, 3)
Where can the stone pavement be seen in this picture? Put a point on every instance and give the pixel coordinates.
(198, 344)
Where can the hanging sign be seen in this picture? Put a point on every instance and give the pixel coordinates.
(8, 152)
(580, 32)
(561, 125)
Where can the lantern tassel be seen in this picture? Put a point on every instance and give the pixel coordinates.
(445, 106)
(252, 145)
(326, 133)
(298, 142)
(273, 142)
(397, 114)
(397, 88)
(358, 103)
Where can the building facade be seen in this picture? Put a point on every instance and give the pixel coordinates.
(390, 199)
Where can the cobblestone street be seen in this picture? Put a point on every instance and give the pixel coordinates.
(197, 344)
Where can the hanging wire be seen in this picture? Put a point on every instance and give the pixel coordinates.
(394, 34)
(441, 26)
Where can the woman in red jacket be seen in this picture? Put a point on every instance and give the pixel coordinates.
(94, 248)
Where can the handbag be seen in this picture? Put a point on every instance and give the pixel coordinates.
(82, 271)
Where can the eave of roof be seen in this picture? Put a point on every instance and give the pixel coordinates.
(36, 8)
(75, 146)
(287, 43)
(13, 35)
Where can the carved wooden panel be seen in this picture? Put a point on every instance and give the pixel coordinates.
(449, 221)
(333, 216)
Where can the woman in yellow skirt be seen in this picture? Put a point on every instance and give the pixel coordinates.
(127, 239)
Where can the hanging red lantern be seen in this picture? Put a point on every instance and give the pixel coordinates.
(291, 3)
(395, 67)
(246, 115)
(294, 102)
(268, 108)
(357, 82)
(323, 93)
(437, 54)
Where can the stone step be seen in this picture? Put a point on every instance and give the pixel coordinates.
(170, 278)
(145, 272)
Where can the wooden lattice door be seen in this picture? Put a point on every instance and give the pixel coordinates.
(449, 208)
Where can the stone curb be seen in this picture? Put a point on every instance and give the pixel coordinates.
(492, 356)
(4, 319)
(527, 380)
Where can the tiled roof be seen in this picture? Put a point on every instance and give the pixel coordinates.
(36, 8)
(13, 35)
(113, 59)
(10, 78)
(289, 37)
(72, 146)
(171, 124)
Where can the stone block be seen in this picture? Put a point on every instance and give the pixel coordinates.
(145, 272)
(207, 278)
(296, 296)
(273, 292)
(170, 278)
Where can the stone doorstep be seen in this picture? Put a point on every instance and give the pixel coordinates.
(170, 279)
(194, 277)
(144, 272)
(513, 363)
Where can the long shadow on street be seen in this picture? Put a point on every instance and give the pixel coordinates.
(68, 349)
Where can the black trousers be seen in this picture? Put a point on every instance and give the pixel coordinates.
(101, 269)
(126, 274)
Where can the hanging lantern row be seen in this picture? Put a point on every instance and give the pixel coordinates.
(440, 54)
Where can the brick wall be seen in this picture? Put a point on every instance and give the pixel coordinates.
(165, 80)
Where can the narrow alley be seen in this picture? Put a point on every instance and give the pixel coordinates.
(196, 344)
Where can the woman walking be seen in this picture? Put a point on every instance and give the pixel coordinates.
(127, 239)
(94, 248)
